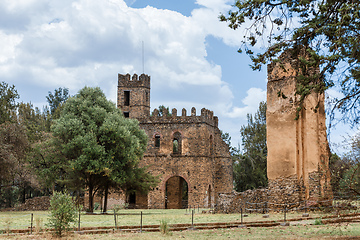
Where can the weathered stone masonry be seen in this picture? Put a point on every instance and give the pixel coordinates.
(187, 152)
(298, 152)
(297, 149)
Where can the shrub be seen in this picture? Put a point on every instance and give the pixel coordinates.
(118, 207)
(62, 213)
(96, 206)
(318, 221)
(8, 223)
(38, 224)
(164, 227)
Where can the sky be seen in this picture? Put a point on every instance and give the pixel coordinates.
(189, 54)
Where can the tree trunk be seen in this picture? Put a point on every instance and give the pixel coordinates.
(106, 197)
(91, 198)
(23, 195)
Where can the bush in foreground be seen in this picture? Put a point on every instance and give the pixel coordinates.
(62, 213)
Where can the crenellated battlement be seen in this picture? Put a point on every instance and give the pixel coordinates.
(134, 81)
(206, 116)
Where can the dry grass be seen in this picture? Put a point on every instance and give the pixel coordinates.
(291, 232)
(303, 230)
(22, 220)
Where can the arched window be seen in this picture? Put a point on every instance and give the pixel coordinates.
(177, 143)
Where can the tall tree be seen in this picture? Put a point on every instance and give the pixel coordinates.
(97, 141)
(33, 121)
(350, 180)
(56, 100)
(14, 173)
(323, 33)
(250, 166)
(8, 105)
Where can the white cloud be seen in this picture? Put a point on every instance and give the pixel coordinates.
(8, 45)
(73, 43)
(251, 102)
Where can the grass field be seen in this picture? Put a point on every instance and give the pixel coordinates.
(298, 230)
(340, 231)
(22, 220)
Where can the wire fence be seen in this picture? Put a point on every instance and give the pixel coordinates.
(192, 216)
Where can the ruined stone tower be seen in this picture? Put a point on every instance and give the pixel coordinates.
(298, 153)
(186, 152)
(134, 95)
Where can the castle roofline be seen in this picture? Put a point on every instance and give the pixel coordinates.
(133, 81)
(206, 116)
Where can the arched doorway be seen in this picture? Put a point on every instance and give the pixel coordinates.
(176, 193)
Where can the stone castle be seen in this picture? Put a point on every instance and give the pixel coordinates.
(194, 164)
(186, 152)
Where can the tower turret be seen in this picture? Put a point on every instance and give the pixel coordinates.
(134, 95)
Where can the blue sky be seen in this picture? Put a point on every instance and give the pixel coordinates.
(191, 57)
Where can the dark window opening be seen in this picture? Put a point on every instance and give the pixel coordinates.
(132, 198)
(126, 98)
(126, 114)
(157, 141)
(177, 143)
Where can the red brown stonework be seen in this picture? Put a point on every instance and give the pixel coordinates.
(195, 171)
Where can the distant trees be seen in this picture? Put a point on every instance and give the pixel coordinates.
(8, 105)
(81, 142)
(250, 169)
(346, 171)
(162, 110)
(250, 164)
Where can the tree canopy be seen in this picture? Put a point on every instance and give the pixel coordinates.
(8, 96)
(324, 33)
(57, 99)
(250, 165)
(100, 145)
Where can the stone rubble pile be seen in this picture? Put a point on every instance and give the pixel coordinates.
(35, 204)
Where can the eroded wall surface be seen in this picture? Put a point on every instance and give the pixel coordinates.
(297, 145)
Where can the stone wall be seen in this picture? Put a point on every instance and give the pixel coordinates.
(298, 152)
(204, 162)
(281, 192)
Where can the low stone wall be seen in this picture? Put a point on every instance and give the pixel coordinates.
(250, 201)
(282, 192)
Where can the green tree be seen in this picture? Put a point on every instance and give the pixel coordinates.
(15, 176)
(48, 164)
(98, 142)
(33, 121)
(162, 110)
(62, 213)
(56, 101)
(8, 105)
(350, 182)
(320, 33)
(250, 166)
(338, 169)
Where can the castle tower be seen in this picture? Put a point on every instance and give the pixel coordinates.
(298, 152)
(134, 95)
